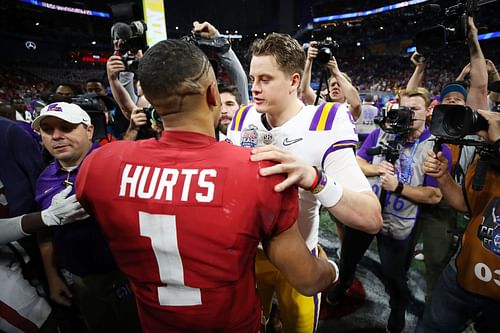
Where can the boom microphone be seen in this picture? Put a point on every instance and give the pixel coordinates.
(121, 31)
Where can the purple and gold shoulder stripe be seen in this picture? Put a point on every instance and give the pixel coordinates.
(337, 146)
(239, 118)
(324, 117)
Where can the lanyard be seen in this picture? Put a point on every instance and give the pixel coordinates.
(406, 168)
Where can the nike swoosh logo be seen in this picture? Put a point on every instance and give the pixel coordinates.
(287, 142)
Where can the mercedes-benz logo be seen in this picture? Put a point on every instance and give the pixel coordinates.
(30, 45)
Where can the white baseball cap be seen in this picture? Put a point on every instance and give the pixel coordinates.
(71, 113)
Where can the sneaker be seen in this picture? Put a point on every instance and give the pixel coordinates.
(396, 322)
(335, 295)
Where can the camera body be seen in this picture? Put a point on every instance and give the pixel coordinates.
(210, 46)
(452, 122)
(327, 48)
(396, 121)
(453, 28)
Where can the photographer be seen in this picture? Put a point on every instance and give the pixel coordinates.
(407, 187)
(339, 84)
(469, 284)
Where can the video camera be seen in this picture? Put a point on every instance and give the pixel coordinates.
(396, 121)
(210, 46)
(453, 28)
(133, 39)
(327, 48)
(93, 104)
(453, 122)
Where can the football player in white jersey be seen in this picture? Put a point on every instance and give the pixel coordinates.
(314, 146)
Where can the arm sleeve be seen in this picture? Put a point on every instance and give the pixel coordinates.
(27, 153)
(11, 230)
(236, 73)
(127, 81)
(343, 167)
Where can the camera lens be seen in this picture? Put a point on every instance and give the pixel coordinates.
(453, 124)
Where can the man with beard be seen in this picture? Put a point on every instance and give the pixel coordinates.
(231, 100)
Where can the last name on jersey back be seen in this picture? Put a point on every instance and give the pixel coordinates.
(175, 185)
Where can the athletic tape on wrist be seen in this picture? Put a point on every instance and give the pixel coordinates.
(329, 193)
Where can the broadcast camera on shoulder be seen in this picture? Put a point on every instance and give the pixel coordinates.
(452, 28)
(132, 38)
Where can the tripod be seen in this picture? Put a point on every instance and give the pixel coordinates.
(323, 78)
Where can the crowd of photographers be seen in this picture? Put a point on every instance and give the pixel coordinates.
(425, 185)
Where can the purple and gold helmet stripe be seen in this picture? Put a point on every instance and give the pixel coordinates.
(337, 146)
(239, 118)
(324, 117)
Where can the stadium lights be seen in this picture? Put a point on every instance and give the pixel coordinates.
(94, 42)
(37, 24)
(358, 44)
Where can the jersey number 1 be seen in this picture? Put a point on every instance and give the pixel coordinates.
(162, 229)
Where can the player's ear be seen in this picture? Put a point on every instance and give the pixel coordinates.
(213, 97)
(294, 82)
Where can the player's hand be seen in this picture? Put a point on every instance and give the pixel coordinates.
(59, 291)
(298, 173)
(435, 165)
(114, 66)
(205, 29)
(63, 210)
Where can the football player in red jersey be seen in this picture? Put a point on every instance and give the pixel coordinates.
(184, 214)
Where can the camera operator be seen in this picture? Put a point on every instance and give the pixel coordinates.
(407, 187)
(469, 284)
(339, 84)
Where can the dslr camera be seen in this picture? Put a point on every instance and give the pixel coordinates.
(454, 122)
(210, 46)
(396, 121)
(133, 39)
(453, 28)
(327, 48)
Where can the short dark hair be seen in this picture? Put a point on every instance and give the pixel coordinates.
(96, 80)
(287, 52)
(170, 70)
(7, 111)
(231, 90)
(72, 86)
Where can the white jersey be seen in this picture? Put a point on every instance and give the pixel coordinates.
(319, 136)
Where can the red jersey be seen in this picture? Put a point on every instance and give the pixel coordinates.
(183, 216)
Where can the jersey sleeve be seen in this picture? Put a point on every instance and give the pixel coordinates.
(343, 167)
(277, 210)
(82, 181)
(336, 121)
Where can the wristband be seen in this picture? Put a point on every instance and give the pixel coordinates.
(316, 179)
(336, 268)
(399, 188)
(328, 192)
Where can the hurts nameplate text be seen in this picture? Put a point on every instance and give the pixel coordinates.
(176, 185)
